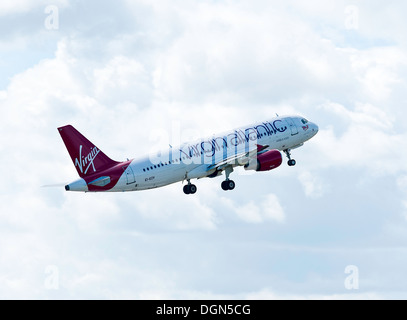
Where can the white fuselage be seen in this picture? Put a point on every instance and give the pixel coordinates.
(195, 160)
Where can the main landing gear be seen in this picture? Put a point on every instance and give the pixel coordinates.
(228, 184)
(291, 162)
(190, 188)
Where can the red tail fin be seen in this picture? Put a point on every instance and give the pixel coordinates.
(87, 158)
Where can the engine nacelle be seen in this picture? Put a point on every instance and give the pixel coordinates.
(266, 161)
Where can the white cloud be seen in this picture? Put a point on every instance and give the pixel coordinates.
(363, 114)
(127, 78)
(192, 215)
(364, 137)
(250, 213)
(378, 70)
(21, 6)
(313, 185)
(201, 63)
(269, 209)
(121, 72)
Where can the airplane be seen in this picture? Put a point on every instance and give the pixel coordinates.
(255, 147)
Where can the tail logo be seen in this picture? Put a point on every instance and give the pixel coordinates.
(84, 162)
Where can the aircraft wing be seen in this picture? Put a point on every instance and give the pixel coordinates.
(233, 161)
(238, 159)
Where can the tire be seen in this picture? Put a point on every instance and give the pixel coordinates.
(192, 189)
(231, 185)
(291, 163)
(228, 185)
(224, 186)
(187, 190)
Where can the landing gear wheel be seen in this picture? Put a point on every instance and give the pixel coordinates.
(231, 184)
(224, 186)
(186, 189)
(190, 189)
(228, 185)
(291, 162)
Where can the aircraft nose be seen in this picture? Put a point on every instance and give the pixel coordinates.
(315, 128)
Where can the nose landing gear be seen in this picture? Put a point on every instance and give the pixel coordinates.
(291, 162)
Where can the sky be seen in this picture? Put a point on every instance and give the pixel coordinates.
(134, 76)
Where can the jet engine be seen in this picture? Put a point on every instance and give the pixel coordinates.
(265, 161)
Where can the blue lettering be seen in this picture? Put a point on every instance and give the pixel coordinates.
(208, 150)
(259, 132)
(234, 140)
(182, 152)
(224, 143)
(271, 128)
(278, 128)
(241, 136)
(252, 135)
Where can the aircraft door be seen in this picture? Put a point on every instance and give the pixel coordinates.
(293, 127)
(130, 175)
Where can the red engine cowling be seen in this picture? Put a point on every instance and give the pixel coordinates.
(266, 161)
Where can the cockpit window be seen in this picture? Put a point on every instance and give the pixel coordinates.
(304, 121)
